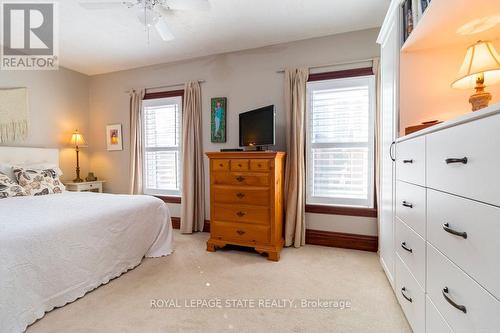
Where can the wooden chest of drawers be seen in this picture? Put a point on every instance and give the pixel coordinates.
(246, 201)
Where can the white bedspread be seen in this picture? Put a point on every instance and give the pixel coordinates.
(55, 248)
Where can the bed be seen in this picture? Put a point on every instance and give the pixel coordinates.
(55, 248)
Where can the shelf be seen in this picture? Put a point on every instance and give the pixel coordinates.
(440, 23)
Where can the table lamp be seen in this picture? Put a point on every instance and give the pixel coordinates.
(77, 140)
(481, 66)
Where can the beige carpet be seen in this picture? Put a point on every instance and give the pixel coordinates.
(311, 272)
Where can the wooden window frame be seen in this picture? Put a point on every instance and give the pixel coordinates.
(344, 210)
(165, 94)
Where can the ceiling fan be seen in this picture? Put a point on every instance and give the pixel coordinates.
(151, 13)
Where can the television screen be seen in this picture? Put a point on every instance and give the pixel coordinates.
(257, 127)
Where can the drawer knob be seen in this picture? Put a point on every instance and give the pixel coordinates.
(405, 247)
(259, 165)
(448, 229)
(240, 178)
(240, 195)
(239, 164)
(463, 160)
(403, 290)
(240, 232)
(241, 214)
(408, 161)
(452, 302)
(407, 204)
(221, 165)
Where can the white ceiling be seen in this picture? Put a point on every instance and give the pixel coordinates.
(101, 41)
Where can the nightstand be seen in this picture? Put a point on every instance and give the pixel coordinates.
(95, 186)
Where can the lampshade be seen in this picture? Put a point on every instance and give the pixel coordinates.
(77, 139)
(480, 58)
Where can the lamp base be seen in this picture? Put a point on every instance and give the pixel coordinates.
(480, 100)
(77, 180)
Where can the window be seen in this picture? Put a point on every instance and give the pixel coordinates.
(340, 142)
(162, 145)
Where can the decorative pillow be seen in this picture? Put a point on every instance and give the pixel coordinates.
(39, 182)
(9, 188)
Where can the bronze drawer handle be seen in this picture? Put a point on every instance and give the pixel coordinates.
(403, 292)
(445, 292)
(240, 178)
(239, 164)
(221, 165)
(240, 232)
(259, 165)
(240, 195)
(241, 214)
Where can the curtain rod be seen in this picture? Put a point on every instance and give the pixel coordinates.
(166, 86)
(334, 64)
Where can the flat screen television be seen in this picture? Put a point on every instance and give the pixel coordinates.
(257, 127)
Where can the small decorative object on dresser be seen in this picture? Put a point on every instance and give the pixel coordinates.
(95, 186)
(91, 177)
(246, 201)
(114, 137)
(415, 128)
(218, 119)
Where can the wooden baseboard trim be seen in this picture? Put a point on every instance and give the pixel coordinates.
(343, 240)
(176, 224)
(340, 210)
(320, 237)
(170, 199)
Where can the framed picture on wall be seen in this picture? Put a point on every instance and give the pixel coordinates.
(218, 119)
(114, 137)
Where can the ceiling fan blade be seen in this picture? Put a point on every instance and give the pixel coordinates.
(189, 4)
(93, 5)
(163, 30)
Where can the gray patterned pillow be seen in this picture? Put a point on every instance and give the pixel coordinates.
(39, 182)
(9, 188)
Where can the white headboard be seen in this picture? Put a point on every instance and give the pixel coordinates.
(28, 155)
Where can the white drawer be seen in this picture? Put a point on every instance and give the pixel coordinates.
(411, 249)
(479, 142)
(410, 296)
(477, 254)
(482, 310)
(410, 206)
(410, 160)
(434, 321)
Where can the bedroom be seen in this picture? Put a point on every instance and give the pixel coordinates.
(199, 67)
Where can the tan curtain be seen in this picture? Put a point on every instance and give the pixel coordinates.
(193, 186)
(295, 109)
(136, 144)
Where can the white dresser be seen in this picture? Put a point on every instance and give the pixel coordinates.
(447, 225)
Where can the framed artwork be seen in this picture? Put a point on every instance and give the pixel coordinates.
(218, 119)
(114, 137)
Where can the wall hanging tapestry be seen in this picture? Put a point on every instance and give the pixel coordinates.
(14, 122)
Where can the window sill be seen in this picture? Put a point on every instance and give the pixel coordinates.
(169, 198)
(342, 210)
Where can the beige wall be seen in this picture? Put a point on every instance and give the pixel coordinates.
(58, 103)
(426, 92)
(247, 78)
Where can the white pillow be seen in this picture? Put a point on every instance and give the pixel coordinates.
(6, 169)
